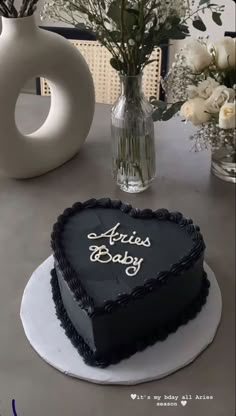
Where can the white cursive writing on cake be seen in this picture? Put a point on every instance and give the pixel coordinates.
(102, 255)
(114, 237)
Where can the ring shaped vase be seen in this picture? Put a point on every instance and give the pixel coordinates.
(27, 51)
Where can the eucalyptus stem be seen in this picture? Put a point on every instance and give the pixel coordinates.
(10, 5)
(122, 22)
(131, 30)
(9, 10)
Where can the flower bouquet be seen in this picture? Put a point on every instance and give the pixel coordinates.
(131, 30)
(202, 81)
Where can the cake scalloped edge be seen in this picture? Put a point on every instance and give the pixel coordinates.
(72, 279)
(116, 356)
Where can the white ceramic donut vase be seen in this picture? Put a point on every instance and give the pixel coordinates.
(27, 52)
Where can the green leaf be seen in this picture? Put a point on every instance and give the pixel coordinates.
(80, 26)
(115, 6)
(162, 114)
(168, 114)
(157, 115)
(230, 78)
(138, 37)
(162, 105)
(174, 20)
(177, 30)
(130, 20)
(176, 34)
(83, 27)
(114, 11)
(116, 64)
(115, 35)
(217, 18)
(132, 11)
(91, 18)
(203, 2)
(184, 28)
(130, 17)
(147, 48)
(199, 24)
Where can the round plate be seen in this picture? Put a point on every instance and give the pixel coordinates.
(47, 337)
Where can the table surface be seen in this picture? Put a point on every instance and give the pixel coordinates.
(27, 211)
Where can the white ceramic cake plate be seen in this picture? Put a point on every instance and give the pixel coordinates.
(47, 337)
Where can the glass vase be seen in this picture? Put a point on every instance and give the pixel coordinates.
(223, 164)
(223, 161)
(133, 145)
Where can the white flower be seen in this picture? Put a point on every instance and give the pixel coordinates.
(204, 89)
(225, 53)
(197, 56)
(192, 91)
(194, 110)
(211, 48)
(227, 117)
(218, 98)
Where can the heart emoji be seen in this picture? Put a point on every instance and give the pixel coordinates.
(133, 396)
(184, 402)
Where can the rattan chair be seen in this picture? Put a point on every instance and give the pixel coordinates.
(106, 79)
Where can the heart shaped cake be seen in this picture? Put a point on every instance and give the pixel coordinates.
(125, 278)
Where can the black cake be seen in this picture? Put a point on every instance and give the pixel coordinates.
(125, 278)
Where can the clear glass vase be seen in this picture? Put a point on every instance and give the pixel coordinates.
(133, 145)
(223, 163)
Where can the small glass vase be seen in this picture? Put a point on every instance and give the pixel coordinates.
(223, 164)
(223, 161)
(133, 145)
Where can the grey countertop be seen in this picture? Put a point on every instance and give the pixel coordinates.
(27, 211)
